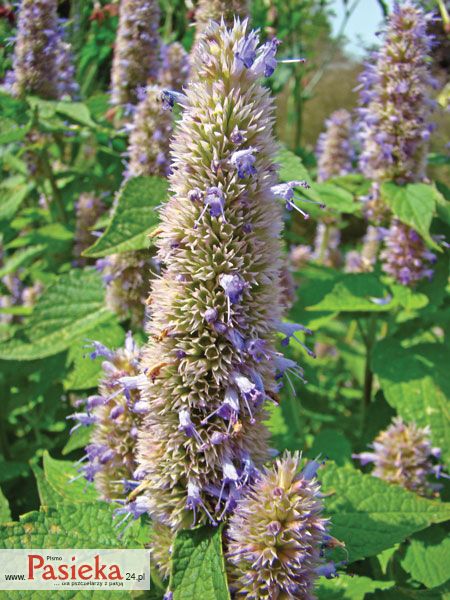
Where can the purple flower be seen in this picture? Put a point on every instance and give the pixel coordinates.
(285, 191)
(246, 49)
(100, 350)
(194, 500)
(257, 349)
(229, 409)
(290, 330)
(187, 426)
(233, 286)
(405, 255)
(244, 161)
(265, 64)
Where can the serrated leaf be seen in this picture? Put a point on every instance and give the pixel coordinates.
(67, 310)
(5, 513)
(68, 526)
(198, 569)
(13, 192)
(291, 167)
(370, 515)
(427, 557)
(20, 258)
(346, 587)
(415, 382)
(85, 372)
(62, 476)
(351, 292)
(134, 217)
(413, 204)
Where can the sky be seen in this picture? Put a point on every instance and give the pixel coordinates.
(362, 25)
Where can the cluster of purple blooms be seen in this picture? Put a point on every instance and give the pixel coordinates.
(211, 365)
(405, 256)
(395, 128)
(43, 62)
(335, 146)
(404, 455)
(136, 52)
(115, 414)
(395, 101)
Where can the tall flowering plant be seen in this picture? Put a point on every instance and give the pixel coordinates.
(42, 62)
(395, 129)
(136, 50)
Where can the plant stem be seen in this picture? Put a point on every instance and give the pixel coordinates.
(48, 172)
(368, 337)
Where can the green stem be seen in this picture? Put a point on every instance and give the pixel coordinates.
(48, 172)
(298, 104)
(369, 338)
(324, 245)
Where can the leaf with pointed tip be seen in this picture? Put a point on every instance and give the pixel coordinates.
(134, 217)
(415, 382)
(198, 569)
(68, 309)
(370, 515)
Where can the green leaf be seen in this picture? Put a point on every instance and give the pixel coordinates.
(414, 204)
(415, 382)
(5, 513)
(61, 474)
(78, 439)
(68, 526)
(427, 557)
(13, 192)
(333, 197)
(370, 515)
(47, 495)
(354, 183)
(408, 298)
(85, 372)
(67, 310)
(331, 444)
(352, 292)
(11, 131)
(400, 593)
(291, 167)
(134, 217)
(348, 587)
(76, 111)
(198, 569)
(20, 258)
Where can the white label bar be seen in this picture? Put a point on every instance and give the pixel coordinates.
(51, 569)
